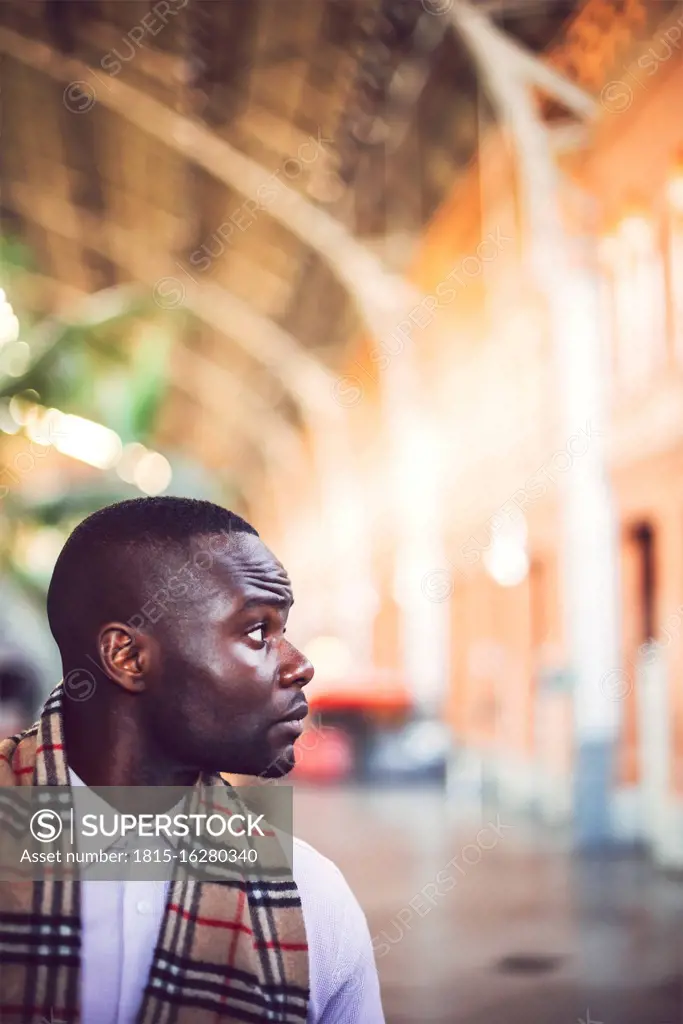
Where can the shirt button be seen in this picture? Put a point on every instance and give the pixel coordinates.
(144, 907)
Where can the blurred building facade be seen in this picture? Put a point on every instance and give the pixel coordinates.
(491, 458)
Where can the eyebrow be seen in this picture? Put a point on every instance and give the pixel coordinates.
(276, 602)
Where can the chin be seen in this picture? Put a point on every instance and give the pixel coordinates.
(281, 764)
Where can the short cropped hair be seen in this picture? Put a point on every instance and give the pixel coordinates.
(108, 553)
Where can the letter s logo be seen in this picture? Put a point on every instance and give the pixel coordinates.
(46, 826)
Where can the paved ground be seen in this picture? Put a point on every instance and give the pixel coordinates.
(512, 928)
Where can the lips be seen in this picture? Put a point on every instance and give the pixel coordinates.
(294, 726)
(295, 718)
(297, 714)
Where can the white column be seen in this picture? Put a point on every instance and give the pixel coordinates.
(416, 473)
(569, 284)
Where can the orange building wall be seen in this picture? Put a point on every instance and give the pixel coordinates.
(485, 364)
(477, 363)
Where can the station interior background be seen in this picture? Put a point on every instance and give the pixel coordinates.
(401, 282)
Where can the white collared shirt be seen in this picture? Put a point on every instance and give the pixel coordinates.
(121, 920)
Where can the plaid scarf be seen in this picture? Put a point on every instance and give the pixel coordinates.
(226, 951)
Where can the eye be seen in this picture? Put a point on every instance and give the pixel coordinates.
(258, 633)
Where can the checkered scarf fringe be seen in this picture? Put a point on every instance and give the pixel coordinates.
(227, 952)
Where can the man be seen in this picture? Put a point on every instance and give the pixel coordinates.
(170, 617)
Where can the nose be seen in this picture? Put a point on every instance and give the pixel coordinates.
(295, 668)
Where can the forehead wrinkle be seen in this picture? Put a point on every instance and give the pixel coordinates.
(250, 572)
(255, 590)
(257, 566)
(241, 591)
(261, 582)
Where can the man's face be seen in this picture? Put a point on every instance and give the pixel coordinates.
(225, 694)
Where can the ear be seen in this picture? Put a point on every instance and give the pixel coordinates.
(126, 655)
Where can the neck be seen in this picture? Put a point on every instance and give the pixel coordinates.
(108, 744)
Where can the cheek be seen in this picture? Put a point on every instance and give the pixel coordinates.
(219, 674)
(239, 675)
